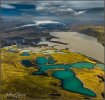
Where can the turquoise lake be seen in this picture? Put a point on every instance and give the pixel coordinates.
(71, 83)
(68, 78)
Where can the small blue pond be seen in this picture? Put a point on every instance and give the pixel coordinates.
(25, 54)
(27, 63)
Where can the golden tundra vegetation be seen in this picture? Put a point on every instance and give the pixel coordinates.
(18, 78)
(92, 30)
(100, 29)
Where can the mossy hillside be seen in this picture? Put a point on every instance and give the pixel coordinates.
(99, 29)
(96, 28)
(21, 80)
(17, 78)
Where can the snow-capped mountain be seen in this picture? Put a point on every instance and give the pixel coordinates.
(44, 24)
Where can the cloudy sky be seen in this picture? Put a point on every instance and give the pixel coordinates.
(66, 11)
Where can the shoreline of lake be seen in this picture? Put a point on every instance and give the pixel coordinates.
(80, 43)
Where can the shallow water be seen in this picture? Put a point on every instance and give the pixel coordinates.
(27, 63)
(102, 66)
(25, 54)
(68, 78)
(71, 83)
(43, 66)
(80, 43)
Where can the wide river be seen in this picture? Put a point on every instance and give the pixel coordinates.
(80, 43)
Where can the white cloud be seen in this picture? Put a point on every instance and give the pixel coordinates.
(80, 12)
(7, 6)
(58, 10)
(68, 7)
(77, 4)
(45, 22)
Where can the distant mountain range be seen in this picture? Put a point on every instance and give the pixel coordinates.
(92, 10)
(95, 10)
(96, 31)
(34, 31)
(28, 34)
(7, 23)
(42, 25)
